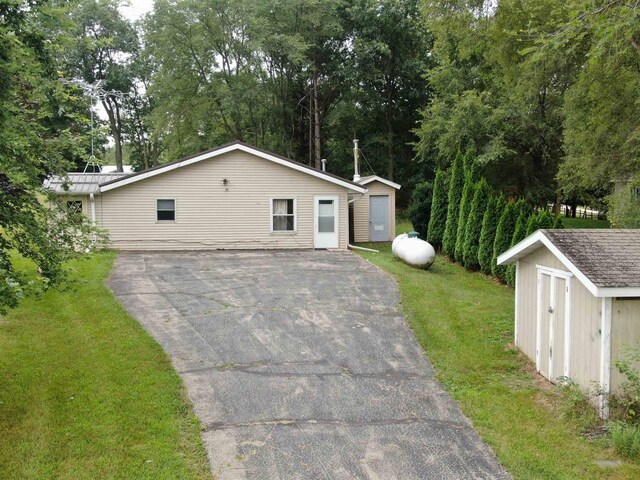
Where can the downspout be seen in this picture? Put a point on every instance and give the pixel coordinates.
(92, 201)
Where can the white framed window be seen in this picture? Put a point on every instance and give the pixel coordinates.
(283, 215)
(165, 210)
(74, 206)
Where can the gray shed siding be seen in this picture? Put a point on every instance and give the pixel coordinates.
(361, 211)
(586, 322)
(209, 217)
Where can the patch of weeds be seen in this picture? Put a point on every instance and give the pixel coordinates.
(577, 406)
(626, 439)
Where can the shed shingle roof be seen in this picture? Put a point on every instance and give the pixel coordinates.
(608, 258)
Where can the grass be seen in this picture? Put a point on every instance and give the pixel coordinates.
(85, 392)
(584, 223)
(464, 322)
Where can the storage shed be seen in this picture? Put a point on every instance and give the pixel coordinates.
(577, 303)
(235, 196)
(374, 215)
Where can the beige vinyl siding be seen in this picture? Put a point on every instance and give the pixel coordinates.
(210, 215)
(361, 211)
(625, 334)
(585, 318)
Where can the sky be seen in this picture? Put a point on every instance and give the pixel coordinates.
(136, 8)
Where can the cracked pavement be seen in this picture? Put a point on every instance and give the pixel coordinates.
(300, 365)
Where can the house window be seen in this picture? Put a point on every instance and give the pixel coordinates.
(283, 216)
(166, 210)
(74, 206)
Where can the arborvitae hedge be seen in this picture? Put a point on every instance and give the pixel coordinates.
(420, 210)
(532, 224)
(438, 219)
(558, 223)
(519, 234)
(490, 220)
(545, 220)
(473, 228)
(456, 185)
(504, 234)
(471, 176)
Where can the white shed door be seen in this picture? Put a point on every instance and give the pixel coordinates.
(326, 222)
(553, 334)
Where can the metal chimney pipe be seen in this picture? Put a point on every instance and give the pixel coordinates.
(324, 164)
(356, 161)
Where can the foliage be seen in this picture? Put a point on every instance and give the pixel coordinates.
(42, 132)
(557, 223)
(454, 197)
(626, 439)
(471, 176)
(419, 212)
(519, 234)
(629, 399)
(438, 218)
(490, 220)
(504, 235)
(624, 204)
(473, 230)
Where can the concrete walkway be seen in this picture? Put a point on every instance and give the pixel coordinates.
(300, 365)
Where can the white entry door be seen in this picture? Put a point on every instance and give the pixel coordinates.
(326, 221)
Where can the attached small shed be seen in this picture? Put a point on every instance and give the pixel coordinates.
(577, 303)
(374, 215)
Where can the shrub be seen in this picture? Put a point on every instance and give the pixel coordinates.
(626, 439)
(490, 220)
(558, 222)
(518, 234)
(624, 205)
(629, 399)
(438, 218)
(532, 224)
(504, 234)
(545, 220)
(473, 229)
(471, 177)
(456, 185)
(419, 211)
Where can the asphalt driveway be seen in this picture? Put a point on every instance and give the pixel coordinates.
(300, 365)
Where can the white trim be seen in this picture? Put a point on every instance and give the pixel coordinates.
(539, 319)
(175, 210)
(515, 328)
(553, 297)
(375, 178)
(554, 271)
(221, 151)
(295, 216)
(92, 201)
(568, 328)
(618, 292)
(605, 356)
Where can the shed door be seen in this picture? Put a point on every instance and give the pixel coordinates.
(553, 332)
(379, 218)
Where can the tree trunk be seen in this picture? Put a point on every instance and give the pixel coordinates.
(114, 124)
(316, 117)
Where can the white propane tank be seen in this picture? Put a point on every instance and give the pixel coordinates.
(413, 251)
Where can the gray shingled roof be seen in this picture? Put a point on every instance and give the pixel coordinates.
(80, 183)
(609, 258)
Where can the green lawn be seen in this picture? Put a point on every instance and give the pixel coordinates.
(86, 393)
(464, 321)
(584, 223)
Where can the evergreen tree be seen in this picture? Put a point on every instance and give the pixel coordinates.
(504, 235)
(438, 218)
(471, 175)
(518, 235)
(545, 220)
(473, 229)
(532, 224)
(420, 210)
(456, 185)
(490, 220)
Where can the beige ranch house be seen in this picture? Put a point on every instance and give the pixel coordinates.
(577, 304)
(232, 197)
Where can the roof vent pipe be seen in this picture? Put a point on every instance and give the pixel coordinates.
(356, 161)
(324, 164)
